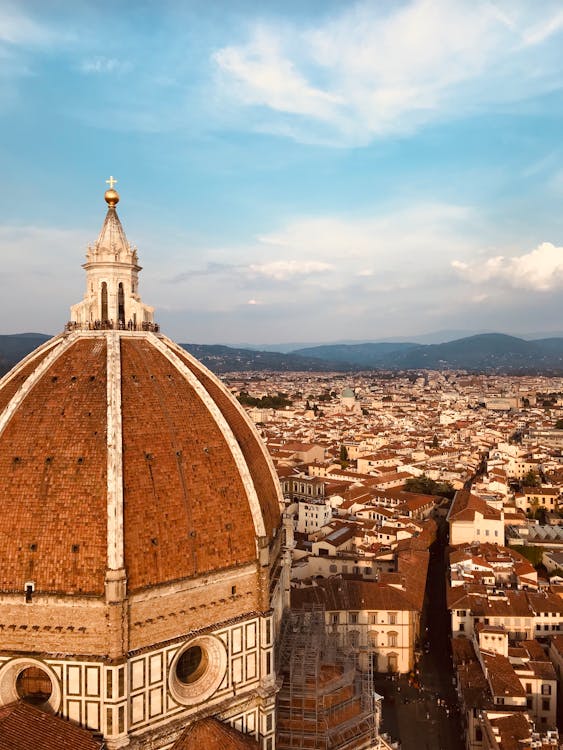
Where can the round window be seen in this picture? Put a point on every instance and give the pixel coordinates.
(191, 665)
(34, 686)
(32, 681)
(198, 670)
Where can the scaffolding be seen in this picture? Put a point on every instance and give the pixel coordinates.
(326, 702)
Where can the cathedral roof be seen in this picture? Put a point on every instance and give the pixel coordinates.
(119, 450)
(212, 734)
(23, 726)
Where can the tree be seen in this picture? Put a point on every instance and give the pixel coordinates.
(343, 453)
(266, 402)
(423, 485)
(533, 554)
(531, 479)
(559, 424)
(435, 443)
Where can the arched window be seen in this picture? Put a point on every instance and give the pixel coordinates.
(392, 638)
(121, 304)
(104, 301)
(372, 638)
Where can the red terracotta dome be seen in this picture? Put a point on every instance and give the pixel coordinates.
(181, 472)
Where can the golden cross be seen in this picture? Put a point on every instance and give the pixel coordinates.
(111, 182)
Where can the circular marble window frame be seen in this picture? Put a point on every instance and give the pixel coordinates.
(10, 672)
(201, 689)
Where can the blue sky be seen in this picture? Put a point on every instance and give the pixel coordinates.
(290, 171)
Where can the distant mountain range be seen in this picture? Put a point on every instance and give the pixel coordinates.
(486, 352)
(435, 337)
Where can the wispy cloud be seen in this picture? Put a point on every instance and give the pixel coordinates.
(19, 29)
(101, 65)
(22, 37)
(281, 270)
(376, 69)
(27, 253)
(264, 76)
(546, 28)
(375, 263)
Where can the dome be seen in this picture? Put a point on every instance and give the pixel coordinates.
(120, 451)
(125, 424)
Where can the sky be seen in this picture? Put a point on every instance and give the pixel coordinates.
(289, 171)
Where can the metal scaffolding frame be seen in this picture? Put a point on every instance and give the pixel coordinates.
(326, 702)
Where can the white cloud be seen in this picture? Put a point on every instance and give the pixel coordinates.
(539, 270)
(378, 69)
(265, 77)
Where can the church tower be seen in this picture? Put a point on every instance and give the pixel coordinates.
(142, 579)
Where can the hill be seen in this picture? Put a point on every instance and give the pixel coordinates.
(229, 359)
(16, 346)
(484, 352)
(363, 355)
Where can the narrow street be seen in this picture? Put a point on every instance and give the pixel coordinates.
(426, 718)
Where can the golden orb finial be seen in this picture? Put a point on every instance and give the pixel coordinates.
(111, 196)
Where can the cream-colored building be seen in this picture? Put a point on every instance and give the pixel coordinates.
(379, 619)
(471, 519)
(313, 516)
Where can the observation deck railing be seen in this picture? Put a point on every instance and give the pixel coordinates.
(112, 325)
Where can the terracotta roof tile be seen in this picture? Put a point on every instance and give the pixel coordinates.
(24, 727)
(211, 734)
(246, 437)
(182, 487)
(352, 594)
(53, 461)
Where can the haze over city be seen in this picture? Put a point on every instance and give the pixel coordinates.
(289, 171)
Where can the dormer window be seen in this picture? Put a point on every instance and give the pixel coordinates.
(29, 589)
